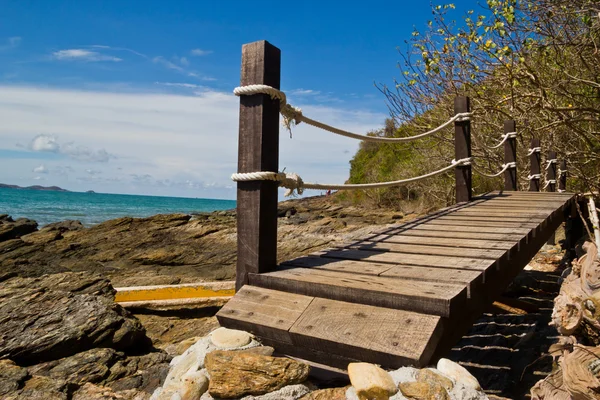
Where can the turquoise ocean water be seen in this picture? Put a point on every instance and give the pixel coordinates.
(93, 208)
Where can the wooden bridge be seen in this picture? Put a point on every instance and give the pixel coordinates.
(402, 296)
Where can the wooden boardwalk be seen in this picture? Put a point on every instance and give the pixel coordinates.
(404, 295)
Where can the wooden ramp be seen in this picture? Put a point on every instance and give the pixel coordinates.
(402, 296)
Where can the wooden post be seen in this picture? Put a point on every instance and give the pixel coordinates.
(534, 161)
(510, 155)
(562, 177)
(258, 151)
(551, 175)
(462, 149)
(551, 172)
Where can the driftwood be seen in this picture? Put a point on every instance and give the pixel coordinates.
(577, 307)
(575, 378)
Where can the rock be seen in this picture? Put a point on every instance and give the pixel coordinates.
(236, 374)
(20, 227)
(90, 391)
(458, 373)
(88, 366)
(64, 226)
(67, 282)
(290, 392)
(41, 237)
(12, 377)
(194, 385)
(144, 373)
(224, 338)
(434, 377)
(371, 382)
(42, 324)
(327, 394)
(262, 350)
(43, 388)
(423, 391)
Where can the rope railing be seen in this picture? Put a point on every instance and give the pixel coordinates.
(549, 182)
(505, 137)
(504, 168)
(294, 116)
(550, 162)
(534, 150)
(293, 182)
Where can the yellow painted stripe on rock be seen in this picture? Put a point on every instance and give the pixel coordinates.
(169, 292)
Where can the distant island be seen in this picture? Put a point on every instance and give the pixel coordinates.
(90, 191)
(34, 187)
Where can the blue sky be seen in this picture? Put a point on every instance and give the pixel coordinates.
(135, 96)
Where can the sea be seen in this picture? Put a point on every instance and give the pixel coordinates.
(47, 207)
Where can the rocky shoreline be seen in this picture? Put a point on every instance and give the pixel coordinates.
(62, 336)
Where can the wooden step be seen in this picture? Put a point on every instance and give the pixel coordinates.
(420, 296)
(313, 328)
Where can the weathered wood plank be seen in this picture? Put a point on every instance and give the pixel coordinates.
(387, 337)
(534, 162)
(265, 313)
(492, 224)
(484, 218)
(464, 235)
(473, 279)
(420, 296)
(510, 155)
(462, 149)
(476, 229)
(423, 248)
(451, 242)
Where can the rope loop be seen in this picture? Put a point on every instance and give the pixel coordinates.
(293, 116)
(534, 150)
(550, 162)
(549, 182)
(505, 137)
(534, 176)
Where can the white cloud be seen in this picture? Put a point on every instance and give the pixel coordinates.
(11, 43)
(49, 143)
(184, 61)
(44, 142)
(180, 84)
(164, 62)
(174, 139)
(304, 92)
(41, 169)
(200, 52)
(83, 55)
(90, 171)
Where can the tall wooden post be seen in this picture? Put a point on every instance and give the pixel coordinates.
(510, 155)
(462, 149)
(562, 177)
(534, 161)
(258, 150)
(551, 176)
(551, 172)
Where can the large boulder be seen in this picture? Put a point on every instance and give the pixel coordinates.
(48, 318)
(14, 229)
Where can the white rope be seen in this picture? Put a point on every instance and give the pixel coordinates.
(504, 168)
(505, 137)
(293, 181)
(534, 176)
(548, 182)
(550, 162)
(561, 172)
(534, 150)
(293, 115)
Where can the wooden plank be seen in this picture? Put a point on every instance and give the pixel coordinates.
(498, 224)
(462, 149)
(510, 155)
(382, 336)
(476, 229)
(513, 212)
(505, 204)
(465, 235)
(537, 220)
(562, 181)
(263, 312)
(423, 248)
(451, 242)
(258, 151)
(472, 279)
(420, 296)
(491, 213)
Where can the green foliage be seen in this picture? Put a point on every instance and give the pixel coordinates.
(535, 62)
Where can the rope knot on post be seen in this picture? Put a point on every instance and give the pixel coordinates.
(534, 176)
(534, 150)
(550, 162)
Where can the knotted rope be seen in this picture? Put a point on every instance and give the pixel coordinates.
(504, 168)
(550, 162)
(534, 150)
(293, 182)
(549, 182)
(505, 137)
(293, 116)
(534, 176)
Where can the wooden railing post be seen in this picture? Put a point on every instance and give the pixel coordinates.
(510, 155)
(535, 160)
(258, 150)
(551, 172)
(562, 178)
(462, 149)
